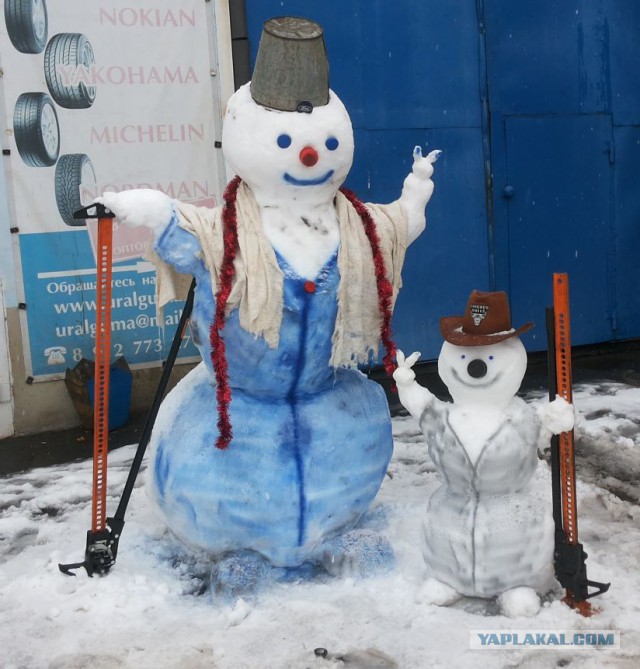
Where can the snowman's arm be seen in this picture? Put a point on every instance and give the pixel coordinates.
(180, 249)
(557, 416)
(414, 397)
(416, 192)
(140, 207)
(157, 211)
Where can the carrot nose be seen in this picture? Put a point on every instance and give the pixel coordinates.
(308, 156)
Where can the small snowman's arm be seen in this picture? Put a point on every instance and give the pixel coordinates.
(140, 206)
(557, 416)
(414, 397)
(417, 190)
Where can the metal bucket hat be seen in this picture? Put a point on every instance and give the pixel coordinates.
(291, 71)
(487, 320)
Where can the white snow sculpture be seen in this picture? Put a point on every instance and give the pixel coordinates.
(311, 436)
(488, 529)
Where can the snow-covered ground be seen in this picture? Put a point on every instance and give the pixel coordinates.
(154, 610)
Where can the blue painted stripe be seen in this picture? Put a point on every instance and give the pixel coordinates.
(295, 416)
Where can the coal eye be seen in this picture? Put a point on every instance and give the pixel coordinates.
(490, 357)
(463, 356)
(332, 143)
(284, 141)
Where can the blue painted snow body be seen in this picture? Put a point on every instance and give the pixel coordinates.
(311, 443)
(305, 438)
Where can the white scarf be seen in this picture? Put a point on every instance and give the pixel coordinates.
(258, 286)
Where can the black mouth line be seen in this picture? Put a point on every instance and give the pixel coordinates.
(457, 377)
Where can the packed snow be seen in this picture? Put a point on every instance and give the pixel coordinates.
(154, 608)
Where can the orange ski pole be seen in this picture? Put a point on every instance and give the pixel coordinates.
(101, 374)
(99, 552)
(569, 556)
(564, 389)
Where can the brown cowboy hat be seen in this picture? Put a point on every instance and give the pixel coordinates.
(487, 320)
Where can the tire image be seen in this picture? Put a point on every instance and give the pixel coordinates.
(74, 52)
(27, 24)
(36, 129)
(72, 170)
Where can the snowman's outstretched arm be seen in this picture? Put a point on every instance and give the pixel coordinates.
(140, 206)
(417, 190)
(557, 416)
(414, 397)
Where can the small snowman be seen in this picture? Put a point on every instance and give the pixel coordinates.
(296, 280)
(488, 529)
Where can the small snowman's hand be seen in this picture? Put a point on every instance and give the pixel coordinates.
(417, 190)
(139, 206)
(404, 375)
(414, 397)
(557, 416)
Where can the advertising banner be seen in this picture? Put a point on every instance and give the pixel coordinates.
(102, 96)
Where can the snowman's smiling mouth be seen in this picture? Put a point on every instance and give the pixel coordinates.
(308, 182)
(485, 384)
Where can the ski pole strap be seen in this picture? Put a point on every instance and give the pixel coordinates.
(155, 406)
(555, 440)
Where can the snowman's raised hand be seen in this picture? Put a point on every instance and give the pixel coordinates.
(417, 190)
(404, 375)
(139, 206)
(414, 397)
(423, 165)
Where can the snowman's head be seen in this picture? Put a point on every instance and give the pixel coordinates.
(483, 375)
(283, 155)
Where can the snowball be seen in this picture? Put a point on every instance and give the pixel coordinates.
(557, 416)
(438, 593)
(519, 602)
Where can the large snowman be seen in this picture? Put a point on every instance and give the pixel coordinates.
(488, 529)
(291, 276)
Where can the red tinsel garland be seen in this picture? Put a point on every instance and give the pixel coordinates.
(218, 351)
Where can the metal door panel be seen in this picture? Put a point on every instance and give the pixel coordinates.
(627, 237)
(623, 22)
(559, 220)
(548, 56)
